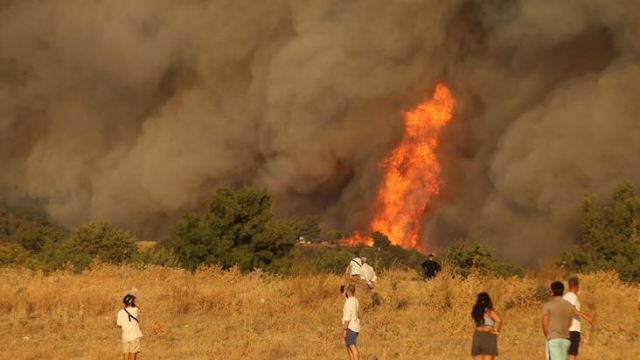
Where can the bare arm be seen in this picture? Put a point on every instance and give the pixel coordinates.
(582, 315)
(545, 324)
(345, 326)
(494, 315)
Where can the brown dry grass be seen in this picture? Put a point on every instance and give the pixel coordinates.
(214, 314)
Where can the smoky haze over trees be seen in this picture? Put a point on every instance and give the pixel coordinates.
(132, 112)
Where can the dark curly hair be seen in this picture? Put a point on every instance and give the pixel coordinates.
(483, 303)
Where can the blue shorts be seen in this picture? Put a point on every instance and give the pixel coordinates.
(558, 349)
(352, 337)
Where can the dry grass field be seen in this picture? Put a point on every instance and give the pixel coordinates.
(214, 314)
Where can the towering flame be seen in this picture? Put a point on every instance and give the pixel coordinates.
(412, 171)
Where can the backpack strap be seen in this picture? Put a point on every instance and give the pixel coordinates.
(354, 260)
(131, 316)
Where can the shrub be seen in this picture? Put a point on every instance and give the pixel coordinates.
(610, 236)
(465, 258)
(12, 253)
(31, 235)
(507, 270)
(235, 227)
(333, 261)
(99, 241)
(159, 256)
(380, 240)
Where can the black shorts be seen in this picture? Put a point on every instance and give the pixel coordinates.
(484, 343)
(575, 342)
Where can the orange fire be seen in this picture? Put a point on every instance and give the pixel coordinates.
(412, 172)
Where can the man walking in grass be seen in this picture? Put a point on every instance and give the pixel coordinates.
(369, 278)
(368, 274)
(355, 268)
(351, 322)
(131, 334)
(576, 324)
(557, 315)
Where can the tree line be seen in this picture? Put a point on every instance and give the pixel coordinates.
(237, 227)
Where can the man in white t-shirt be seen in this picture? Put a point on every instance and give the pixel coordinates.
(131, 333)
(355, 267)
(576, 325)
(351, 322)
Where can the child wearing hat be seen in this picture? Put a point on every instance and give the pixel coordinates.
(131, 334)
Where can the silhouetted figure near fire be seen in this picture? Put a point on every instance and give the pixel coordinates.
(431, 268)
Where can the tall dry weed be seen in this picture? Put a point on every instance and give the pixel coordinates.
(216, 314)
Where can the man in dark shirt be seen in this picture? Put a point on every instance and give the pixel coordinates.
(431, 268)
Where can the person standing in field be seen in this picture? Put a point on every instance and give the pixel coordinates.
(576, 325)
(354, 269)
(557, 315)
(487, 323)
(127, 319)
(367, 274)
(351, 322)
(431, 268)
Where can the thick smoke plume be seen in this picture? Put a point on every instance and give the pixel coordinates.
(133, 111)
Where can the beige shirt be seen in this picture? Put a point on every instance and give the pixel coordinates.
(356, 266)
(351, 313)
(130, 327)
(368, 274)
(560, 313)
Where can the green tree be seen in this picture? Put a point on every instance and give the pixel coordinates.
(101, 241)
(31, 235)
(306, 227)
(380, 240)
(610, 236)
(234, 227)
(466, 257)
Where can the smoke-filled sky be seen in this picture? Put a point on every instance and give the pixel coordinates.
(134, 111)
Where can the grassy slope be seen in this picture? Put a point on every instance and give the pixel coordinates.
(212, 314)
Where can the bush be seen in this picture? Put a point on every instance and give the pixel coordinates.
(100, 241)
(610, 236)
(333, 261)
(507, 270)
(380, 240)
(465, 258)
(31, 235)
(235, 227)
(12, 254)
(159, 256)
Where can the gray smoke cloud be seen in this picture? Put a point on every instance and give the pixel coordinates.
(132, 112)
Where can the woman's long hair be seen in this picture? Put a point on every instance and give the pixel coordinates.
(483, 303)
